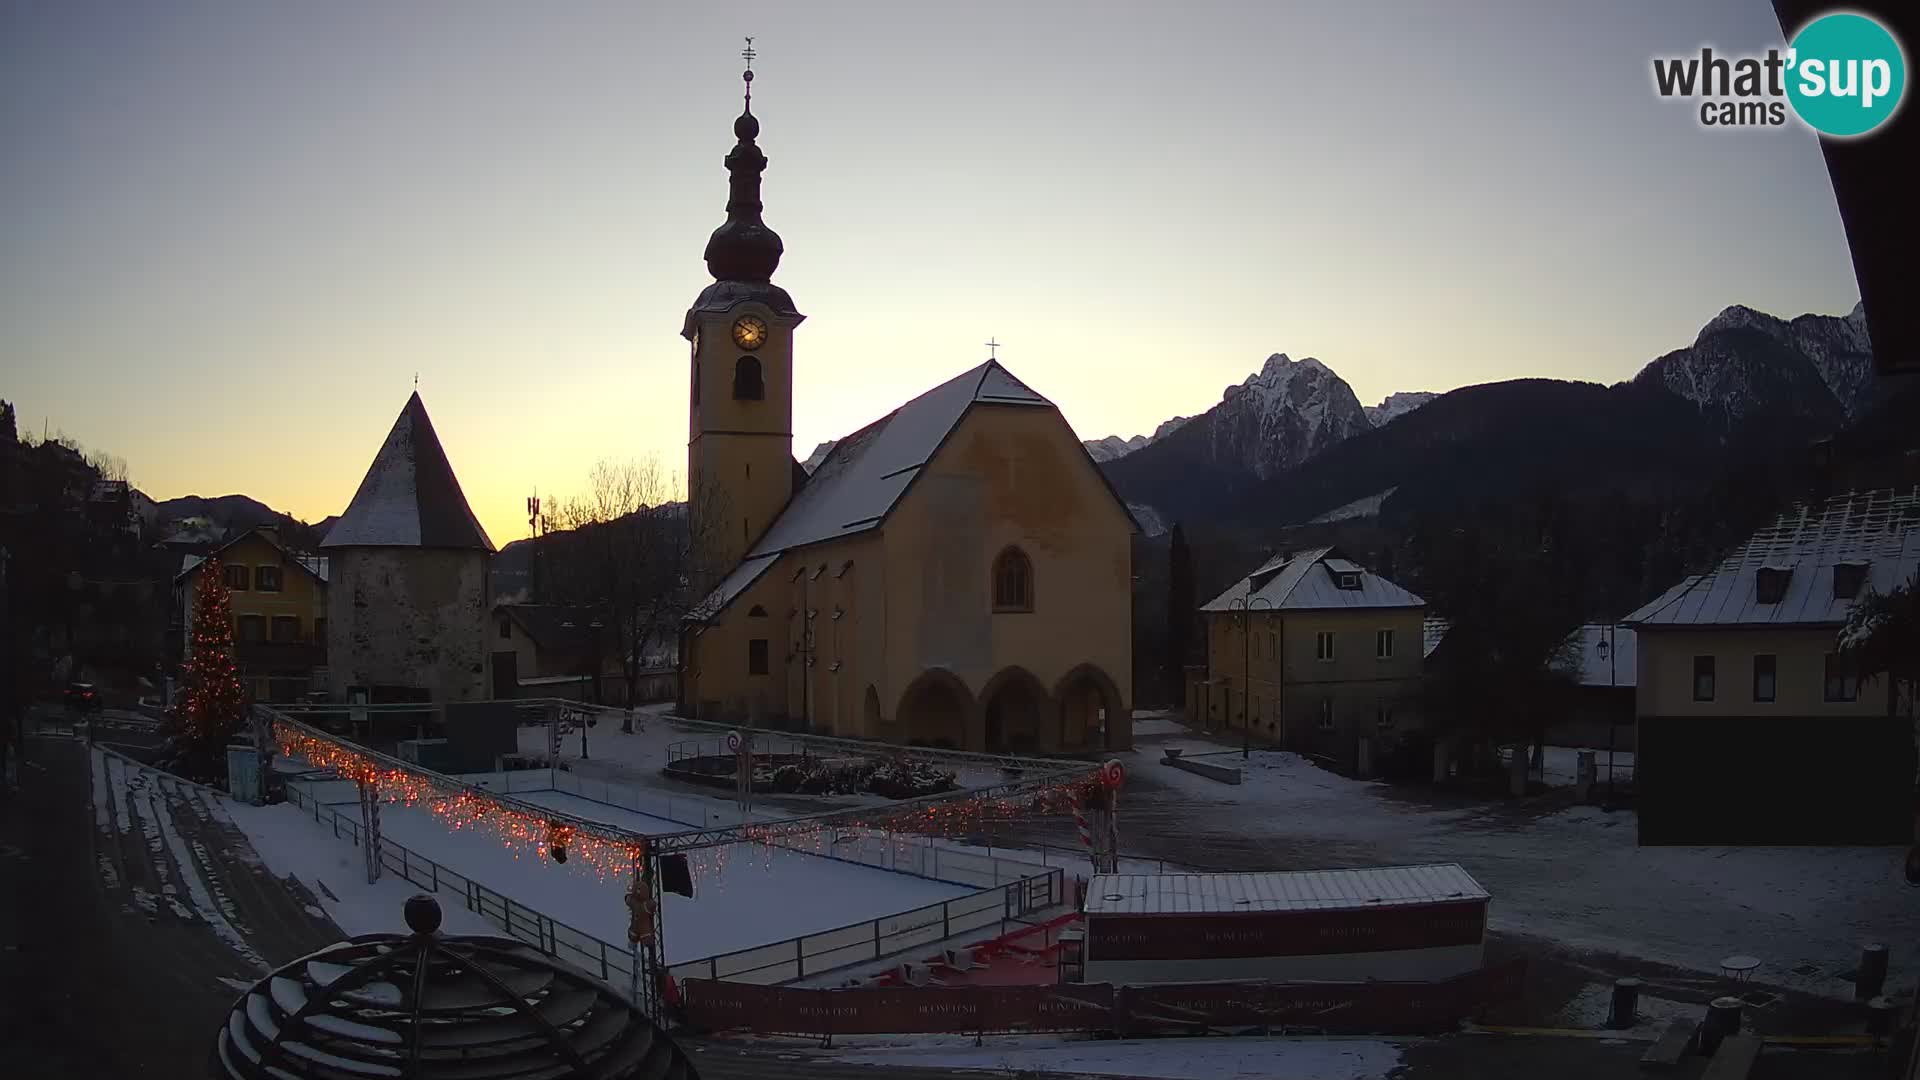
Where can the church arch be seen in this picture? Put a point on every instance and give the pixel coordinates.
(1015, 706)
(1083, 695)
(1012, 580)
(933, 711)
(747, 384)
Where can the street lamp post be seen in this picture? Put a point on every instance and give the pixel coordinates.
(1243, 608)
(1606, 651)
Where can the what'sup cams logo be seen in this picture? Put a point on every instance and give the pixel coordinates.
(1843, 75)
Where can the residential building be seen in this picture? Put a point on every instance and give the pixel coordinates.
(558, 650)
(409, 610)
(279, 608)
(958, 572)
(1751, 727)
(1317, 654)
(1602, 664)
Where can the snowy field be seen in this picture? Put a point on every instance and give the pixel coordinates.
(1172, 1059)
(1571, 875)
(744, 894)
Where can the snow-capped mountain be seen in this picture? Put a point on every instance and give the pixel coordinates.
(1397, 405)
(819, 455)
(1283, 414)
(1746, 363)
(1113, 446)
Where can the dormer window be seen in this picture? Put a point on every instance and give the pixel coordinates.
(1848, 577)
(1770, 584)
(1347, 579)
(747, 385)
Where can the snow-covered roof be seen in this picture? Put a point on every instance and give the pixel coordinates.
(1300, 890)
(1308, 581)
(1617, 667)
(410, 497)
(1433, 629)
(865, 474)
(1880, 529)
(736, 582)
(317, 565)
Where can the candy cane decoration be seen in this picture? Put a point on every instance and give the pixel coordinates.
(1080, 823)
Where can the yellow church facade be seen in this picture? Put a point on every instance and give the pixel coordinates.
(957, 573)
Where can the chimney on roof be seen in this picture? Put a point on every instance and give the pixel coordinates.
(1820, 463)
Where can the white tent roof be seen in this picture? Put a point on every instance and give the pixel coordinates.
(1302, 890)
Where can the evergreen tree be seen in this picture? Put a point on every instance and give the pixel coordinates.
(214, 705)
(1180, 614)
(1882, 638)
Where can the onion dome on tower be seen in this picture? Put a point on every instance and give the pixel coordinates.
(743, 252)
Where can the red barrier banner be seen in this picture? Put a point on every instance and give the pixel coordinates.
(1283, 933)
(1357, 1007)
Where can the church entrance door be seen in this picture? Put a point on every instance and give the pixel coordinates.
(1014, 710)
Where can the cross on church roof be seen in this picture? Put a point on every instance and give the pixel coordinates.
(992, 349)
(748, 54)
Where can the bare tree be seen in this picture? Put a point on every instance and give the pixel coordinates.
(633, 553)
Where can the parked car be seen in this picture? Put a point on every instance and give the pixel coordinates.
(83, 698)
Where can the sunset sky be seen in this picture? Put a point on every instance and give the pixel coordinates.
(232, 233)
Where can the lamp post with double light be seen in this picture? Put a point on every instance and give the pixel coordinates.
(1243, 608)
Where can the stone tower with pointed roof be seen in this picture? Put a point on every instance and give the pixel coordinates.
(408, 600)
(957, 572)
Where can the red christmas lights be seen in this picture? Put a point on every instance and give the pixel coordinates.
(214, 702)
(535, 832)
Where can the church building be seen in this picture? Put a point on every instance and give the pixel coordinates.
(956, 573)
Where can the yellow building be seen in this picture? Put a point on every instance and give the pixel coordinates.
(956, 573)
(1750, 726)
(1321, 654)
(279, 600)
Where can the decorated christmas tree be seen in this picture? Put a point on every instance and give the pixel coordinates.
(214, 704)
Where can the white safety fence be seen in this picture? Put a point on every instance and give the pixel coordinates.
(1007, 889)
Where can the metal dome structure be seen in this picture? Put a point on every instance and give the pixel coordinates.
(427, 1007)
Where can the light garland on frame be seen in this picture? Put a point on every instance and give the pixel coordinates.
(536, 832)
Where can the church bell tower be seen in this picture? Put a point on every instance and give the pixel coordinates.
(740, 466)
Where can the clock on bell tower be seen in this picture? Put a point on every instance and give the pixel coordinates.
(740, 422)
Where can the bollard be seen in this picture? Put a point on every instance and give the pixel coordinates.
(1723, 1019)
(1880, 1017)
(1872, 976)
(1626, 1002)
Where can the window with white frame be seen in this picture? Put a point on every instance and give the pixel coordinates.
(1383, 644)
(1323, 645)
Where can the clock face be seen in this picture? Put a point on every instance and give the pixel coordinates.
(749, 332)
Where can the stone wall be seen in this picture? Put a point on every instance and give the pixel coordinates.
(409, 617)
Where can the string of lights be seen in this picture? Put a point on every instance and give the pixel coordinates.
(609, 852)
(214, 701)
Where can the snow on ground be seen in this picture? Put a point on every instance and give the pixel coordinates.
(1574, 876)
(636, 759)
(744, 894)
(1243, 1058)
(290, 843)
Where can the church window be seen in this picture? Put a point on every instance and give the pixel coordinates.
(757, 656)
(1013, 581)
(746, 379)
(756, 612)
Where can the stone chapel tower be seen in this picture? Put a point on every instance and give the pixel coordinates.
(740, 465)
